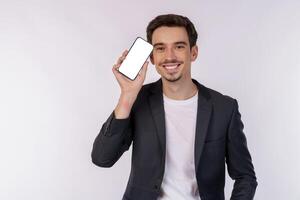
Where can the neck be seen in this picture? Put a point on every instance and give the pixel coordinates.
(180, 89)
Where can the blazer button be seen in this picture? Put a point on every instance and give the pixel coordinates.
(156, 187)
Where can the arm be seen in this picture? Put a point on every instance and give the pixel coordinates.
(238, 159)
(113, 140)
(115, 136)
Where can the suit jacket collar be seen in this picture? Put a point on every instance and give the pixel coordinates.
(203, 116)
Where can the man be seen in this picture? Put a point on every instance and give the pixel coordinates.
(182, 132)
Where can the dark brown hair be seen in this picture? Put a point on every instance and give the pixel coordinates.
(173, 20)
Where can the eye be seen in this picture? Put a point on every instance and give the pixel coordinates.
(180, 47)
(159, 49)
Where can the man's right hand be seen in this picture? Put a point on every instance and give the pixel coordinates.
(129, 88)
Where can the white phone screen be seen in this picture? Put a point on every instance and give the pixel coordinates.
(136, 57)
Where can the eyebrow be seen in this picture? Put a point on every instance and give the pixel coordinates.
(179, 42)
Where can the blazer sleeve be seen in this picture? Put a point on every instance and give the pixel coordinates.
(238, 159)
(114, 139)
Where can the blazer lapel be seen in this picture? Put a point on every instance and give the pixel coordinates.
(203, 116)
(158, 113)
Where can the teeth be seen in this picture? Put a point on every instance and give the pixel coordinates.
(171, 66)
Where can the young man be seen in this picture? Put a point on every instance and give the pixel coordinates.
(182, 132)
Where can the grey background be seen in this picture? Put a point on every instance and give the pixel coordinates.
(57, 88)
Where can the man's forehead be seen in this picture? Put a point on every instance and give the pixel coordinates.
(169, 35)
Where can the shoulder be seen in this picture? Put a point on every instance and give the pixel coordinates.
(222, 103)
(152, 87)
(144, 93)
(219, 98)
(149, 86)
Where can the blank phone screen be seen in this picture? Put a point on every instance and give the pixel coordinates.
(136, 57)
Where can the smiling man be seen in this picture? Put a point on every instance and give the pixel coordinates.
(172, 56)
(182, 132)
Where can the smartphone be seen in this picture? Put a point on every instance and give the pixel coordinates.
(136, 57)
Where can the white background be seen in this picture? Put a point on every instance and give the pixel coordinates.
(57, 88)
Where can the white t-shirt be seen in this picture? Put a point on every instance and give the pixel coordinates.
(179, 180)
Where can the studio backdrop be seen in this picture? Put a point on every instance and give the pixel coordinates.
(57, 88)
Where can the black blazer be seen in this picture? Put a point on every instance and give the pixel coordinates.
(219, 139)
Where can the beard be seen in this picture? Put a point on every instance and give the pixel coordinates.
(173, 79)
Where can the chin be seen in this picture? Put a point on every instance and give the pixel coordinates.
(172, 78)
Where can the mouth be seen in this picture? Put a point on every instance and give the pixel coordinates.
(171, 67)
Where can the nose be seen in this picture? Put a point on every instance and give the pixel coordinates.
(170, 54)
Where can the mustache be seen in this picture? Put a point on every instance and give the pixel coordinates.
(170, 61)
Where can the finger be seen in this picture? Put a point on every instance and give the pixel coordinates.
(115, 70)
(143, 71)
(122, 57)
(120, 60)
(117, 74)
(125, 52)
(115, 67)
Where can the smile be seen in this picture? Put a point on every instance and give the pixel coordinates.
(171, 66)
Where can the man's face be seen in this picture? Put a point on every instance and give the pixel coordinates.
(172, 55)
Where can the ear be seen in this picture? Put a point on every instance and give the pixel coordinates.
(194, 52)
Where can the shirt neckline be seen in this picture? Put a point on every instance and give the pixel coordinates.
(180, 102)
